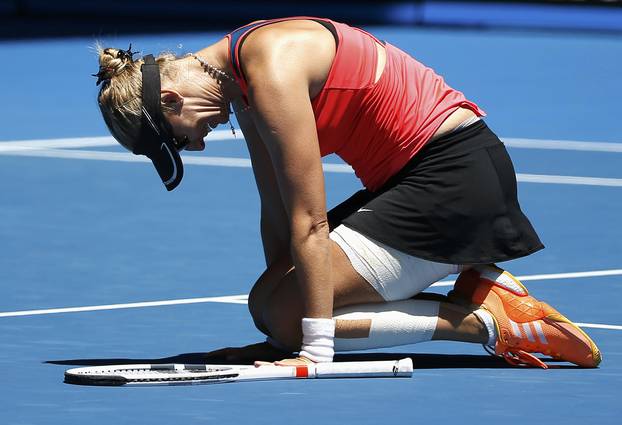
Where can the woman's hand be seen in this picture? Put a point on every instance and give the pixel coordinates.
(246, 355)
(298, 361)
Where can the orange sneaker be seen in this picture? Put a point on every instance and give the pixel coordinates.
(524, 324)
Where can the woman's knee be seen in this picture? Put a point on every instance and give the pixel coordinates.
(282, 317)
(283, 313)
(263, 289)
(254, 301)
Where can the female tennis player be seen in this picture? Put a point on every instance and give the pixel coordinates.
(440, 193)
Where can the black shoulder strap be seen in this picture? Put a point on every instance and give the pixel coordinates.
(236, 35)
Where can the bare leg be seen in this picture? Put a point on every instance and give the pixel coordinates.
(455, 323)
(282, 313)
(405, 322)
(282, 309)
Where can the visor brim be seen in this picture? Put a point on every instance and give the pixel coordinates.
(156, 136)
(168, 164)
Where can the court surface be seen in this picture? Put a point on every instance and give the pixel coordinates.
(83, 224)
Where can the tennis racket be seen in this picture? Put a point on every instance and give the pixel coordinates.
(196, 374)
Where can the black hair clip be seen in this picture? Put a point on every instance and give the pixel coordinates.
(127, 54)
(103, 74)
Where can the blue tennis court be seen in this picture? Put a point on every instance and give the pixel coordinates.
(85, 224)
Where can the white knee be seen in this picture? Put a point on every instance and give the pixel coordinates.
(395, 275)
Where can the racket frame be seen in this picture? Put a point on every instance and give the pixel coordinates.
(196, 374)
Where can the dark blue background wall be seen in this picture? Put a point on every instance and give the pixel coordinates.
(28, 18)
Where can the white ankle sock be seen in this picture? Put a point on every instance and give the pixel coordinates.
(392, 323)
(489, 322)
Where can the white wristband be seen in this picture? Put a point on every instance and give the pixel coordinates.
(318, 337)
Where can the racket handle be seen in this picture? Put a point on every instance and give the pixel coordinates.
(373, 369)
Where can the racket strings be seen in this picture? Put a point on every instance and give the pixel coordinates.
(164, 374)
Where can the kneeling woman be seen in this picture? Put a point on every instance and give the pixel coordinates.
(440, 191)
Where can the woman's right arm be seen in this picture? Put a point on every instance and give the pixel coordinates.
(274, 223)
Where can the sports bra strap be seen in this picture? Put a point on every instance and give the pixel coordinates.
(237, 38)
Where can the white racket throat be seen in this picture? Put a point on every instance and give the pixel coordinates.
(194, 374)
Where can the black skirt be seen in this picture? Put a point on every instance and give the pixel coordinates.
(454, 202)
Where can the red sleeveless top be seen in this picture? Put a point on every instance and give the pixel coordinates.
(374, 127)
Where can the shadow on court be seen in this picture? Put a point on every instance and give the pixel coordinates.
(421, 361)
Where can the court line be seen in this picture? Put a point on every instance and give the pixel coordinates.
(86, 142)
(76, 142)
(246, 163)
(232, 299)
(551, 276)
(576, 180)
(599, 326)
(218, 135)
(243, 299)
(568, 145)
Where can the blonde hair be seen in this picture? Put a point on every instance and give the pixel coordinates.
(120, 96)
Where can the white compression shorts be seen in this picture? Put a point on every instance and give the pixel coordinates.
(392, 273)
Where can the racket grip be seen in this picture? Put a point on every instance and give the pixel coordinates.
(374, 369)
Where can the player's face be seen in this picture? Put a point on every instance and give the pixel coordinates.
(194, 120)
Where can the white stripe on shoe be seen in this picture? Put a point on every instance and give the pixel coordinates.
(515, 328)
(528, 332)
(540, 332)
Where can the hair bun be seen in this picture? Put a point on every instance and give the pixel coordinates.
(112, 62)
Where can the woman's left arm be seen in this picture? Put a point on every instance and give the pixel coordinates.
(279, 96)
